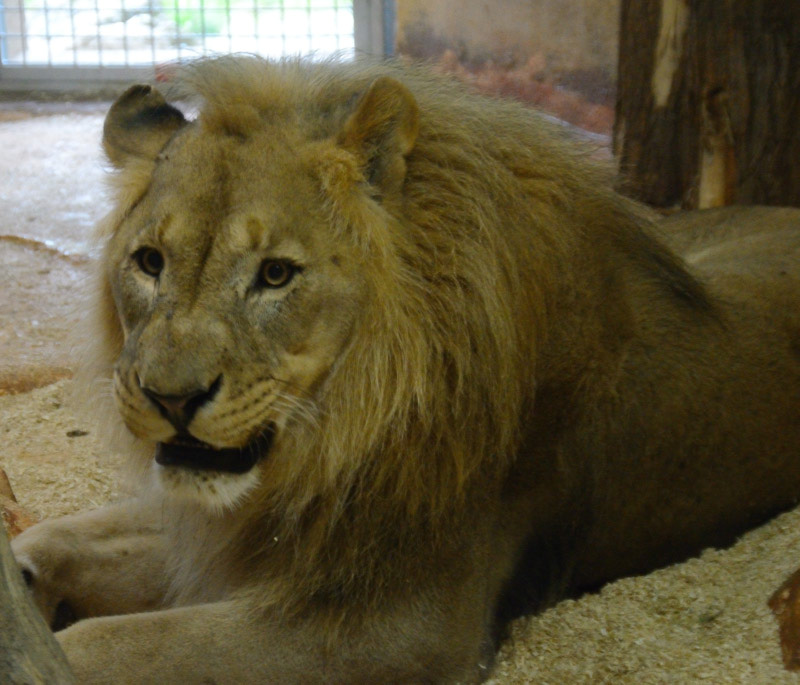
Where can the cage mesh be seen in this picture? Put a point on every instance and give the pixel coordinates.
(151, 32)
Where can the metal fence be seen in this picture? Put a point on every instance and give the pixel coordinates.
(133, 33)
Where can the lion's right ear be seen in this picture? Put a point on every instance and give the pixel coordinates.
(138, 125)
(382, 131)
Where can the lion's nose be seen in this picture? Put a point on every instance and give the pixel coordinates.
(179, 410)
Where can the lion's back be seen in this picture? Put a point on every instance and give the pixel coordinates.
(746, 255)
(740, 233)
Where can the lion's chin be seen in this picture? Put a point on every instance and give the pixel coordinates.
(217, 479)
(216, 491)
(189, 453)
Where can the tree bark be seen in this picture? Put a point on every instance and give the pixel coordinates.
(708, 102)
(29, 654)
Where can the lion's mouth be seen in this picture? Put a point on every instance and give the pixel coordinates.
(188, 452)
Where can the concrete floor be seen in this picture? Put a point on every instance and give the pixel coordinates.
(51, 195)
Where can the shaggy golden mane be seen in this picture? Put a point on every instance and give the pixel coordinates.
(436, 371)
(421, 412)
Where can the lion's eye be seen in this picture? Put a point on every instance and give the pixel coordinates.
(149, 260)
(276, 273)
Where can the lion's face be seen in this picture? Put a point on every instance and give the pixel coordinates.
(235, 300)
(243, 267)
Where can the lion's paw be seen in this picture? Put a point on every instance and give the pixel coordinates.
(44, 559)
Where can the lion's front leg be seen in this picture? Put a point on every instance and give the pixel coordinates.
(209, 643)
(236, 641)
(107, 561)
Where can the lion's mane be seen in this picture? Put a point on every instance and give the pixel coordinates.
(420, 417)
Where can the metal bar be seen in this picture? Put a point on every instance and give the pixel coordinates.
(178, 30)
(389, 28)
(97, 32)
(368, 23)
(58, 78)
(338, 32)
(152, 32)
(24, 30)
(3, 36)
(228, 24)
(309, 35)
(125, 18)
(203, 24)
(46, 8)
(74, 34)
(283, 27)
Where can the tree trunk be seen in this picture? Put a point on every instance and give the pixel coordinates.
(708, 102)
(29, 654)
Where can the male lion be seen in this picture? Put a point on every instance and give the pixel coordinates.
(400, 366)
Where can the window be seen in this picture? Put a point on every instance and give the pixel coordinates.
(110, 39)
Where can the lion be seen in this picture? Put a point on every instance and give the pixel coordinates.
(400, 365)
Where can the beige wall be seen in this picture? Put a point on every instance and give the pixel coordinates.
(572, 41)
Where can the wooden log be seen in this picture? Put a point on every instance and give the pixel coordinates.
(785, 604)
(707, 102)
(29, 654)
(15, 519)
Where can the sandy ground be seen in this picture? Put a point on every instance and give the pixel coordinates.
(703, 621)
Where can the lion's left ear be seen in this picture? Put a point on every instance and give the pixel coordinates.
(382, 131)
(138, 125)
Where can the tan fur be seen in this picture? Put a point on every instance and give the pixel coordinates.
(492, 384)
